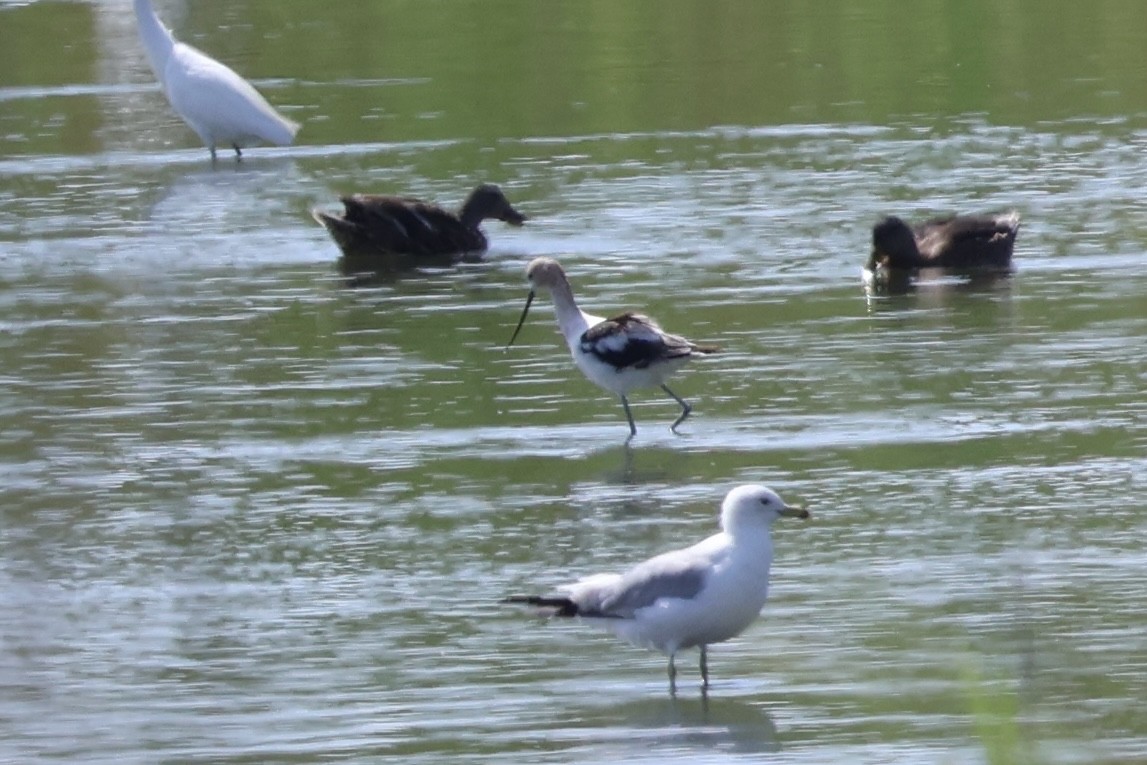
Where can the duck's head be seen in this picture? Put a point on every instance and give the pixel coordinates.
(542, 274)
(893, 245)
(487, 202)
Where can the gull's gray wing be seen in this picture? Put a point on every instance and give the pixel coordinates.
(676, 574)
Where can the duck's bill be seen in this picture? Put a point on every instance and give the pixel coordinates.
(513, 217)
(792, 511)
(521, 321)
(878, 260)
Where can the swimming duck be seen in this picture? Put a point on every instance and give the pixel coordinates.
(958, 241)
(378, 226)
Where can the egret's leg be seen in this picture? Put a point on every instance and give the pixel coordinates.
(685, 408)
(704, 668)
(629, 416)
(672, 677)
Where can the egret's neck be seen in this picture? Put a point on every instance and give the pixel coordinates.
(156, 37)
(571, 320)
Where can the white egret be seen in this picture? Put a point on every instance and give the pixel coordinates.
(218, 104)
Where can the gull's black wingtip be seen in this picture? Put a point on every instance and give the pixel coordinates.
(561, 606)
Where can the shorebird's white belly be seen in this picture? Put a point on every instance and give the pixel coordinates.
(622, 381)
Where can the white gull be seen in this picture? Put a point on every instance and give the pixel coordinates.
(693, 597)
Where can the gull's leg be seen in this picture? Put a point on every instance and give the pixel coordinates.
(704, 668)
(685, 408)
(629, 416)
(672, 677)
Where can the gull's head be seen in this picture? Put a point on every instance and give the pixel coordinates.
(542, 274)
(755, 506)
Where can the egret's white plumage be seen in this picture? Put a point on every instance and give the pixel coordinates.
(622, 353)
(218, 104)
(704, 594)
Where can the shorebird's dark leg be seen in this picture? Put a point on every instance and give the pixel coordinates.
(629, 416)
(685, 408)
(211, 148)
(704, 668)
(672, 677)
(238, 153)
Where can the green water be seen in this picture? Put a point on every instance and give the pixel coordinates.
(249, 514)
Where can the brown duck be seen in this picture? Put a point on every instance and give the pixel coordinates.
(955, 242)
(375, 225)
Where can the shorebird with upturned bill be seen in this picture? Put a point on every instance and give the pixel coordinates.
(622, 353)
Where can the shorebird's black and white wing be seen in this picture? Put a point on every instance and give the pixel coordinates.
(632, 340)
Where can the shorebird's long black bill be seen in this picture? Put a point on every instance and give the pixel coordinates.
(521, 321)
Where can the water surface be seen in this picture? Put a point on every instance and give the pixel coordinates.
(253, 515)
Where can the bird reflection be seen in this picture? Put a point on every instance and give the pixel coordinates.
(701, 724)
(936, 284)
(382, 272)
(621, 466)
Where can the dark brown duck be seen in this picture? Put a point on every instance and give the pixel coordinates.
(955, 242)
(381, 225)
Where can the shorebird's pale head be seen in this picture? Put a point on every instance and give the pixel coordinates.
(544, 273)
(541, 273)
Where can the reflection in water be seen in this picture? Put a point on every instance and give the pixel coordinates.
(934, 282)
(227, 194)
(371, 270)
(247, 515)
(630, 465)
(702, 724)
(622, 471)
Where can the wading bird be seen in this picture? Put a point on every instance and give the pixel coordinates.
(693, 597)
(620, 354)
(218, 104)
